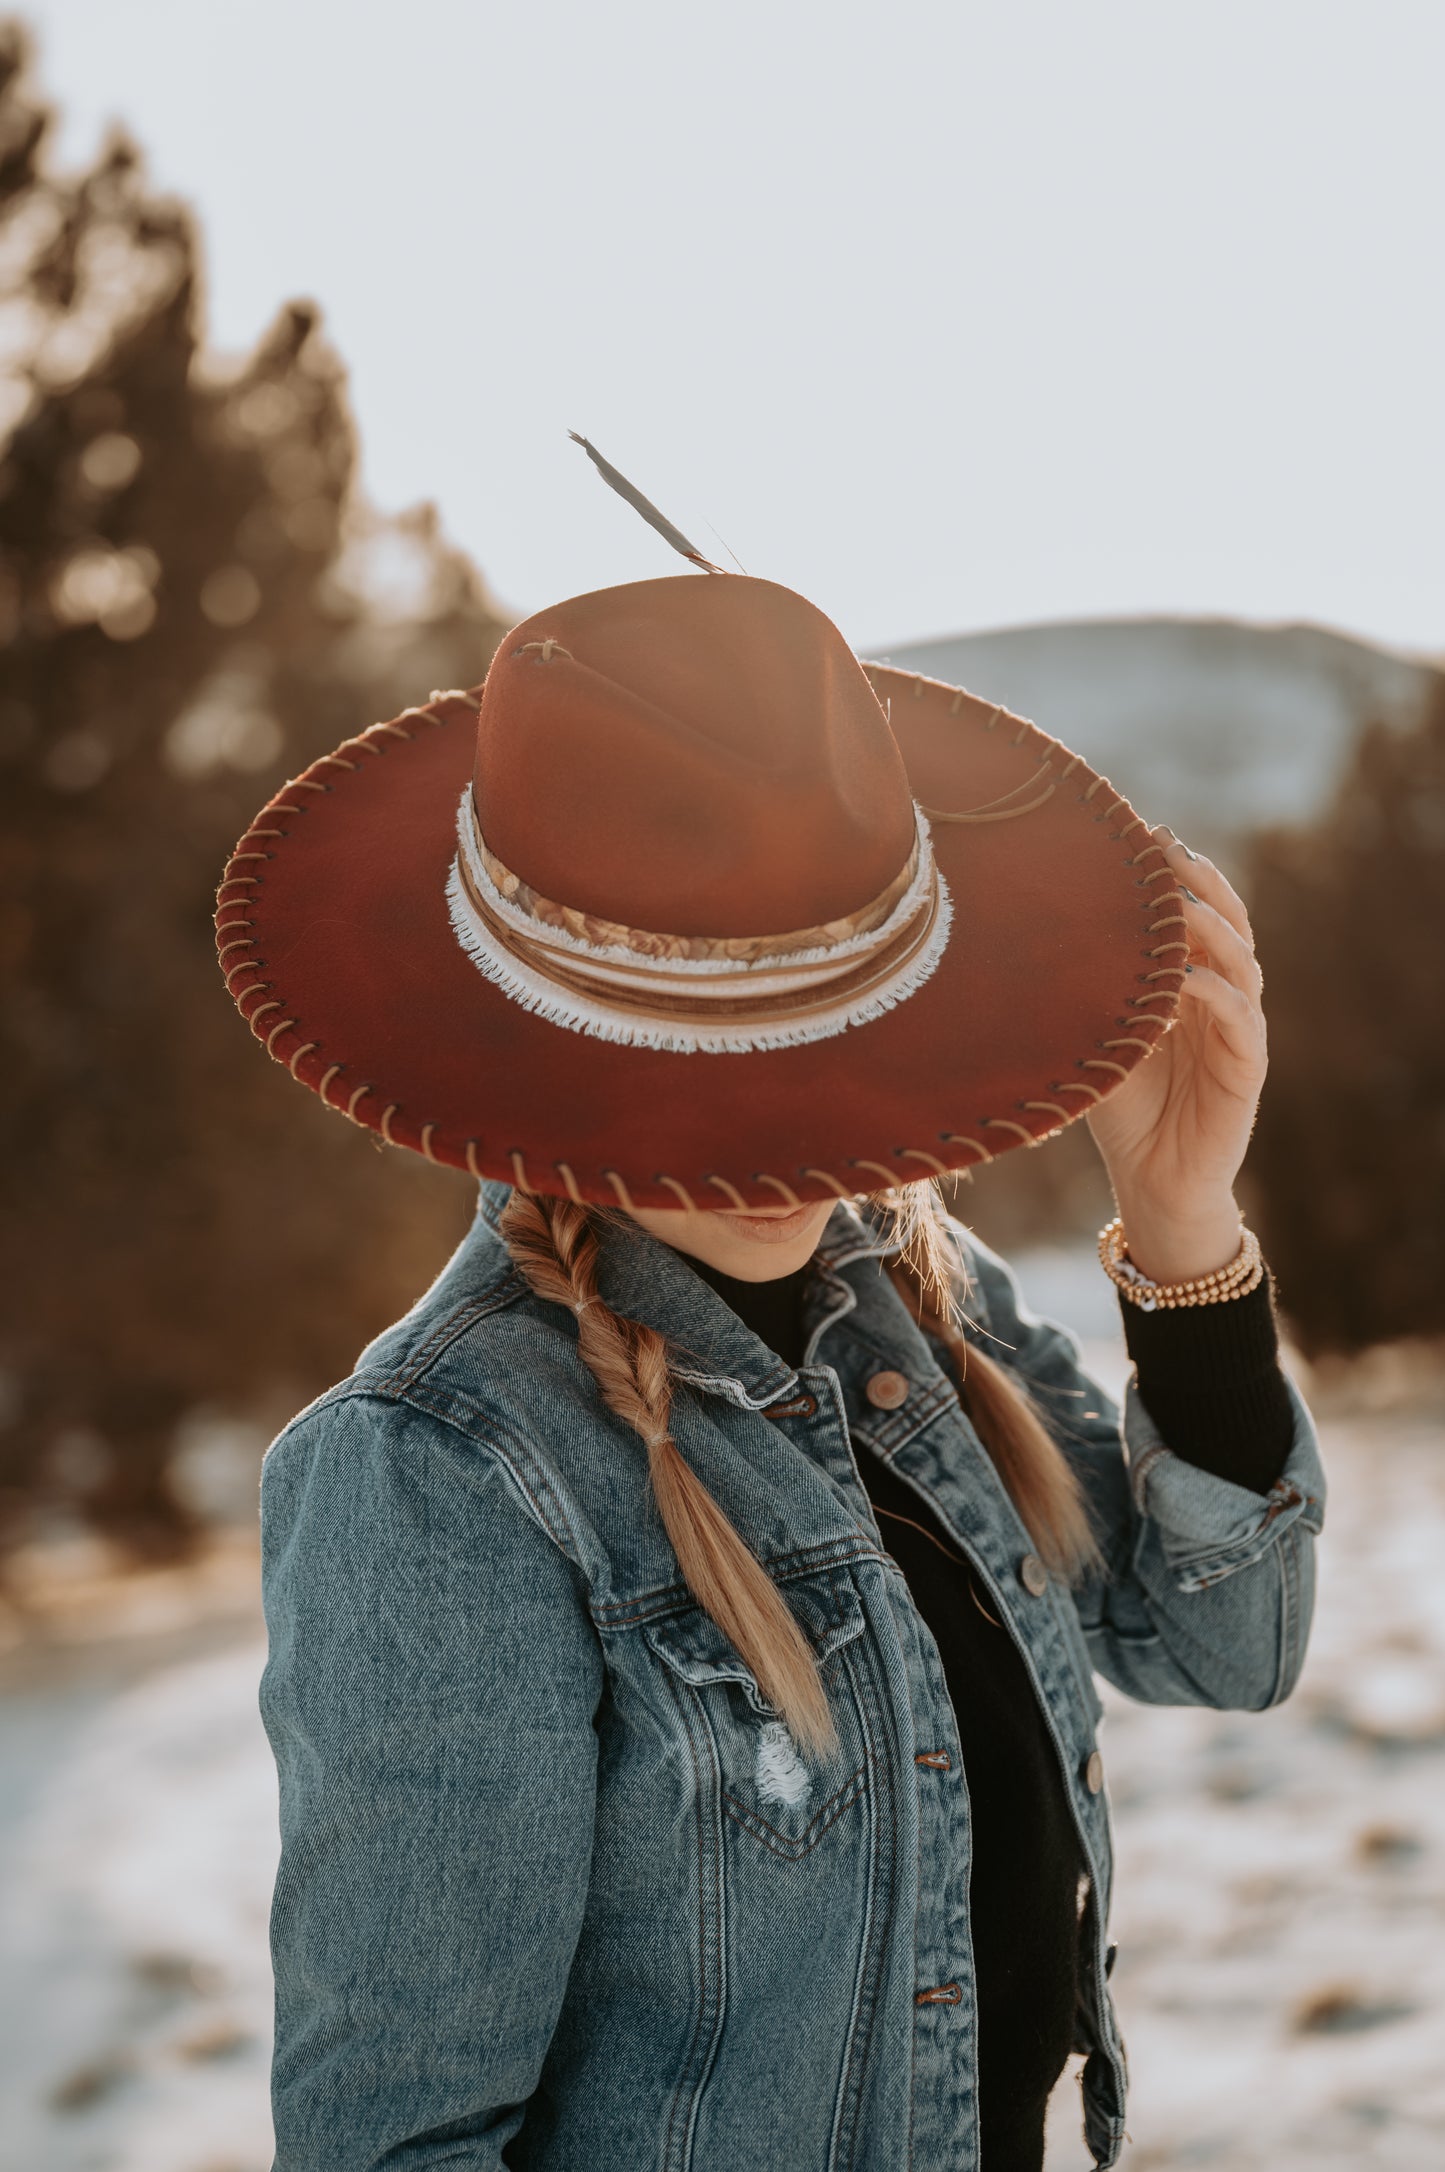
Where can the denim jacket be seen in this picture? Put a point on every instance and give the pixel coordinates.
(555, 1892)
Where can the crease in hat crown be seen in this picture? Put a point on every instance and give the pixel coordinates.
(689, 826)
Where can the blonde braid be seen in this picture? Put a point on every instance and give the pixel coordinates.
(1037, 1475)
(554, 1244)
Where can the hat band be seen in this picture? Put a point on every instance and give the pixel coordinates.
(704, 993)
(599, 934)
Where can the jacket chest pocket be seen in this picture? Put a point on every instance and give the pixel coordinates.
(788, 1799)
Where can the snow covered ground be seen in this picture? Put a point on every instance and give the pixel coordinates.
(1281, 1913)
(1281, 1971)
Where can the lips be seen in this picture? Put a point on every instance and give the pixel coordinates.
(771, 1227)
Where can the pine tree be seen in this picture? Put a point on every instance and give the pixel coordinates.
(1348, 1158)
(189, 612)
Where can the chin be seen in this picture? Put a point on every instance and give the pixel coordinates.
(754, 1247)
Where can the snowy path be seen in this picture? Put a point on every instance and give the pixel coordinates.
(1281, 1974)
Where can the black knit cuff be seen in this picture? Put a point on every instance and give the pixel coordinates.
(1209, 1377)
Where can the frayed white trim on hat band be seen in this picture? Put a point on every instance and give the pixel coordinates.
(483, 920)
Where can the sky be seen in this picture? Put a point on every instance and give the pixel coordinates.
(949, 315)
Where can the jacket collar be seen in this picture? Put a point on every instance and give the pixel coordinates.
(646, 1280)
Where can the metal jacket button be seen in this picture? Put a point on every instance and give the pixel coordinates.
(1094, 1772)
(887, 1391)
(1033, 1575)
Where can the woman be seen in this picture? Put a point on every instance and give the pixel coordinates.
(683, 1621)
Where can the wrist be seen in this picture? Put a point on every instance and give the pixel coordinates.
(1172, 1244)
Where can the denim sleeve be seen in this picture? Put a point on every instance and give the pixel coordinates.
(429, 1696)
(1207, 1589)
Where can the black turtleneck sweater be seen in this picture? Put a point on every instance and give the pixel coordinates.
(1209, 1377)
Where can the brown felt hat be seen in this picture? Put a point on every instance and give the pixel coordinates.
(685, 904)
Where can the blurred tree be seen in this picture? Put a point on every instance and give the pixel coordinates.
(1348, 1158)
(192, 606)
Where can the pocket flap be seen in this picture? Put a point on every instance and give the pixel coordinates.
(826, 1608)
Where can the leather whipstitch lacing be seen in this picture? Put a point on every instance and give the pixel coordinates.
(466, 1153)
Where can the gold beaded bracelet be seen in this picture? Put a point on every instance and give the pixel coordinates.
(1243, 1273)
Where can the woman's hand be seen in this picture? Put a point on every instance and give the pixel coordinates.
(1174, 1132)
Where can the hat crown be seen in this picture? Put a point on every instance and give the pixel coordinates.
(699, 755)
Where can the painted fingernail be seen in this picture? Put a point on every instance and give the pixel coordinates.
(1185, 849)
(1185, 891)
(1189, 969)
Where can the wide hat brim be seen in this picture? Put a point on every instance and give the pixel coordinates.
(1061, 972)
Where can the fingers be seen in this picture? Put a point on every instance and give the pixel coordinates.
(1204, 878)
(1239, 1019)
(1224, 947)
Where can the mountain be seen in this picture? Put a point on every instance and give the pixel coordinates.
(1216, 726)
